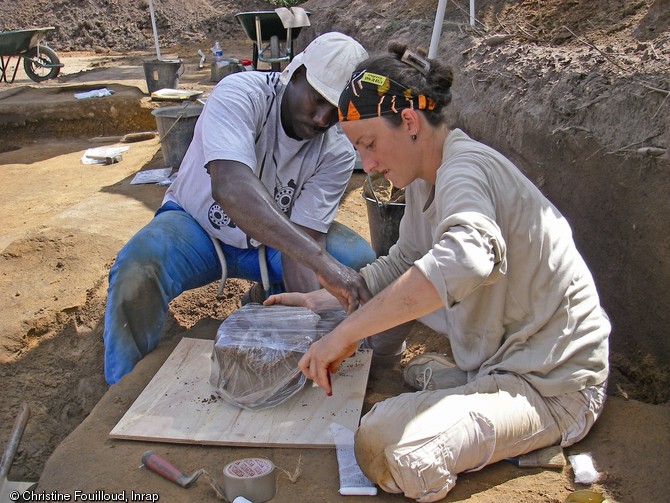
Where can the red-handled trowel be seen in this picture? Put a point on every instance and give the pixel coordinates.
(9, 489)
(167, 470)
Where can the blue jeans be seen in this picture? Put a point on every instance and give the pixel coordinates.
(172, 254)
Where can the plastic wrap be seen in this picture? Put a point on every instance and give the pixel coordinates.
(257, 349)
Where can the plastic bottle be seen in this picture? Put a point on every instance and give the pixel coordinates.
(217, 57)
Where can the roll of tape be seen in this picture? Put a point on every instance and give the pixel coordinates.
(252, 478)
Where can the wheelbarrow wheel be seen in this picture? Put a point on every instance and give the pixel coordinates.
(38, 73)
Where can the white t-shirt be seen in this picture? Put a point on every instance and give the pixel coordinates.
(241, 121)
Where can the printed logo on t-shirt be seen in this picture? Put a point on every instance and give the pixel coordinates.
(218, 217)
(284, 195)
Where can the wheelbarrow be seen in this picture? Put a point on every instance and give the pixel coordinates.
(273, 34)
(39, 61)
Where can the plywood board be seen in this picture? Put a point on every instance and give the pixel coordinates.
(179, 405)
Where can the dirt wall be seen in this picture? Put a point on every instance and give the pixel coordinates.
(575, 97)
(614, 204)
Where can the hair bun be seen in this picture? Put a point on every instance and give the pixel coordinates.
(396, 47)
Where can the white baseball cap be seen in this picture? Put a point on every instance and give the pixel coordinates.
(329, 59)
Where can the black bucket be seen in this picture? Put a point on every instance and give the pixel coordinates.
(384, 221)
(162, 73)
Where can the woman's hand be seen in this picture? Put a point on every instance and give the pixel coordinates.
(325, 356)
(288, 299)
(345, 284)
(319, 300)
(407, 298)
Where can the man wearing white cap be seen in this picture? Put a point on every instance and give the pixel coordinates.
(255, 198)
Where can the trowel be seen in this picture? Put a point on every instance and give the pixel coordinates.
(167, 470)
(8, 489)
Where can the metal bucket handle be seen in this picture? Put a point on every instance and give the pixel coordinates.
(177, 119)
(372, 190)
(379, 203)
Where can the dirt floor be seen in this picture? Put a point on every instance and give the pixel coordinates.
(584, 80)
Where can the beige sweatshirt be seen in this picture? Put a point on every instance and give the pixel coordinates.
(518, 296)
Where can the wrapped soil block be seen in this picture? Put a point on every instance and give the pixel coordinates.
(257, 349)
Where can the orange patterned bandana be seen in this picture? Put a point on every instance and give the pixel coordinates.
(370, 95)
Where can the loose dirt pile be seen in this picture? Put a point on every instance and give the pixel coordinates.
(125, 25)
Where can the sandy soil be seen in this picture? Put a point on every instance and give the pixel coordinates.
(587, 82)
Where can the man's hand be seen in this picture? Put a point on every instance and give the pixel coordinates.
(345, 284)
(255, 212)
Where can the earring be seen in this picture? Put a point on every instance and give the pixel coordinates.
(414, 136)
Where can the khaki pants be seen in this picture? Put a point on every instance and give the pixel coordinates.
(417, 443)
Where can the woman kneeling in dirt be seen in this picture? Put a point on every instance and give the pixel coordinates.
(483, 258)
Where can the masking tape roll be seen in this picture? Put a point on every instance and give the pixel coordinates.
(252, 478)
